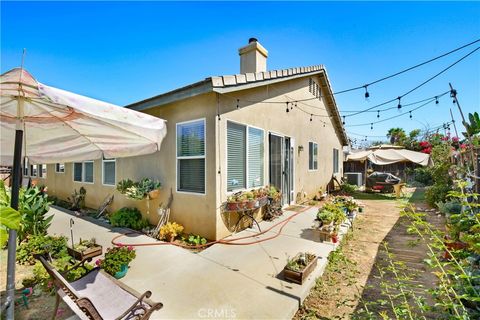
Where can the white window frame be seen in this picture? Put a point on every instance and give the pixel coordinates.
(31, 170)
(103, 172)
(57, 168)
(40, 171)
(204, 193)
(336, 164)
(313, 162)
(246, 157)
(83, 172)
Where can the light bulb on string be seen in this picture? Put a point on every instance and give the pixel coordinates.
(238, 103)
(311, 117)
(436, 100)
(343, 122)
(218, 115)
(288, 110)
(291, 105)
(399, 103)
(371, 126)
(378, 114)
(410, 114)
(367, 95)
(324, 124)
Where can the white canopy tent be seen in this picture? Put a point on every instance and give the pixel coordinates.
(50, 125)
(389, 156)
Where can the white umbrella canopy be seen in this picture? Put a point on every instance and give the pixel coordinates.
(60, 126)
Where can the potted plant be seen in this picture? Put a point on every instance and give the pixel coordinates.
(170, 231)
(250, 200)
(116, 260)
(325, 217)
(300, 267)
(232, 203)
(85, 249)
(334, 235)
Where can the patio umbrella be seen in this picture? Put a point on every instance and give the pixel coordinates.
(50, 125)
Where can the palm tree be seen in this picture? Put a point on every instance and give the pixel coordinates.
(396, 135)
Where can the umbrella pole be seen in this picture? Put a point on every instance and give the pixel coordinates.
(12, 234)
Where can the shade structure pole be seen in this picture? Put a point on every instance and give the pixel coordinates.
(12, 234)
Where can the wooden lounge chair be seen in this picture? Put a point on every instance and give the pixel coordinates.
(97, 295)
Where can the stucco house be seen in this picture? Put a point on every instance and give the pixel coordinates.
(225, 133)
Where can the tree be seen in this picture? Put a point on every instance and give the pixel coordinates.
(396, 135)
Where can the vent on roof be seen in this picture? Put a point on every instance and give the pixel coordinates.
(253, 57)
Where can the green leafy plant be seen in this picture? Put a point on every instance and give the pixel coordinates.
(138, 190)
(56, 246)
(473, 126)
(83, 245)
(115, 258)
(300, 262)
(9, 219)
(77, 199)
(348, 188)
(332, 212)
(195, 240)
(34, 206)
(128, 218)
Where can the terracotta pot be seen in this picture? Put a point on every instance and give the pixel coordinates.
(170, 238)
(232, 206)
(154, 194)
(334, 238)
(251, 204)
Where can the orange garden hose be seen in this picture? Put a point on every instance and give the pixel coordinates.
(283, 223)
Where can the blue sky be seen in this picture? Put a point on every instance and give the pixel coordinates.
(123, 52)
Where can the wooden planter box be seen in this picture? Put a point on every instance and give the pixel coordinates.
(300, 276)
(87, 253)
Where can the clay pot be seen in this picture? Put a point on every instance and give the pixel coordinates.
(154, 194)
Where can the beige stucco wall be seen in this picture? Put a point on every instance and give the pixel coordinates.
(295, 124)
(195, 211)
(200, 214)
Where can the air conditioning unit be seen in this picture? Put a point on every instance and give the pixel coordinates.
(355, 178)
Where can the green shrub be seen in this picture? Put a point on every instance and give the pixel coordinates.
(437, 193)
(449, 207)
(33, 206)
(56, 246)
(423, 175)
(348, 188)
(128, 218)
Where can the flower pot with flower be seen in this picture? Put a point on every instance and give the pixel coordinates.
(116, 260)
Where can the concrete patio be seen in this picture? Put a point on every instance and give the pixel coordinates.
(223, 281)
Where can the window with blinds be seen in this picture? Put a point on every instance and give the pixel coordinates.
(191, 156)
(335, 160)
(83, 171)
(312, 156)
(108, 172)
(255, 157)
(77, 171)
(245, 157)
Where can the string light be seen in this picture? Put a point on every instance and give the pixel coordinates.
(436, 100)
(291, 106)
(399, 103)
(288, 110)
(311, 117)
(378, 114)
(343, 122)
(218, 115)
(238, 103)
(371, 126)
(367, 95)
(410, 114)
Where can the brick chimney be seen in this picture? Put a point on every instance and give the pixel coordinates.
(253, 57)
